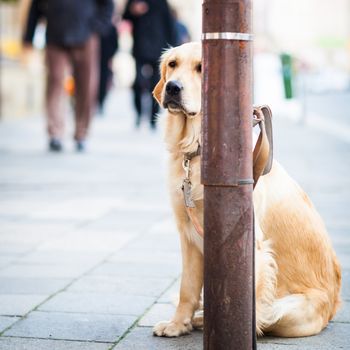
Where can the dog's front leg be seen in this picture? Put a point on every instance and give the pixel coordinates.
(191, 286)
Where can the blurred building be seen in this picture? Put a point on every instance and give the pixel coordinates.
(21, 76)
(317, 31)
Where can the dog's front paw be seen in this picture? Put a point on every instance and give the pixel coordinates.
(172, 328)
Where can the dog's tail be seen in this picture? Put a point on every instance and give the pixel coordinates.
(301, 315)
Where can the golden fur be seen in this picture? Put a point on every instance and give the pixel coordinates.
(297, 273)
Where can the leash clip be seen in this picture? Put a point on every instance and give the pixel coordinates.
(187, 168)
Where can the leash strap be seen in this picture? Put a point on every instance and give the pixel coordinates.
(262, 161)
(187, 191)
(263, 150)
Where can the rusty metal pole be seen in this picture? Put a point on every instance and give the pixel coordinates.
(229, 322)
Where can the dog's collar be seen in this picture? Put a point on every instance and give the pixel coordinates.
(190, 155)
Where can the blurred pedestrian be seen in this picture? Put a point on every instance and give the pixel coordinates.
(109, 46)
(153, 30)
(183, 35)
(72, 40)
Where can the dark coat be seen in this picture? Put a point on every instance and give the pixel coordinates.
(69, 22)
(152, 32)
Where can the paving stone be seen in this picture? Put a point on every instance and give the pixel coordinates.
(141, 338)
(141, 270)
(271, 346)
(335, 336)
(334, 213)
(24, 207)
(16, 248)
(155, 255)
(343, 315)
(97, 303)
(156, 243)
(44, 271)
(88, 242)
(172, 294)
(151, 197)
(344, 260)
(158, 312)
(29, 231)
(6, 260)
(31, 234)
(340, 235)
(124, 220)
(19, 304)
(165, 226)
(24, 285)
(66, 209)
(12, 343)
(6, 321)
(342, 248)
(71, 326)
(345, 284)
(62, 257)
(120, 285)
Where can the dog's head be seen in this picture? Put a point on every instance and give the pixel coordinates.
(179, 88)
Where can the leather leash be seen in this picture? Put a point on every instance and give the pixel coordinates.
(262, 161)
(263, 150)
(187, 190)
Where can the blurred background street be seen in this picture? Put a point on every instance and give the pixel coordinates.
(89, 253)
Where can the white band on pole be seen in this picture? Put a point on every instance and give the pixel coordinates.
(227, 36)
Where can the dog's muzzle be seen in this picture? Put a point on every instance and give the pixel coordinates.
(172, 96)
(173, 88)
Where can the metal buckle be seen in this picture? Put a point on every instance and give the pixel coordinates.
(186, 166)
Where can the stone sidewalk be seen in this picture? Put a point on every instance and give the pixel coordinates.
(89, 255)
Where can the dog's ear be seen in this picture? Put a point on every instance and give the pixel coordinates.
(157, 91)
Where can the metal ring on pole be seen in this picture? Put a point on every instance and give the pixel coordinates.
(245, 182)
(227, 36)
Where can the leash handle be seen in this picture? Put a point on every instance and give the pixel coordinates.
(263, 150)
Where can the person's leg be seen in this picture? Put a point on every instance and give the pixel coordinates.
(85, 71)
(104, 75)
(56, 63)
(137, 90)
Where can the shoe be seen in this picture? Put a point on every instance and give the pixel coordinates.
(55, 145)
(80, 146)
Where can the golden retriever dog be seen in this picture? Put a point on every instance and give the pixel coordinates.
(298, 276)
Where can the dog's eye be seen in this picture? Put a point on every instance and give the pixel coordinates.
(172, 64)
(199, 68)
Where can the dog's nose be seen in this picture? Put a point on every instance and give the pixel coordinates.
(173, 88)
